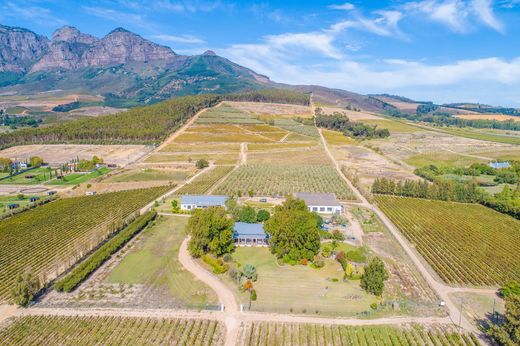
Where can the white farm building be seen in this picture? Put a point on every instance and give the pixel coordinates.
(190, 202)
(322, 203)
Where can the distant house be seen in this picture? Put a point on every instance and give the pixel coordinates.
(499, 165)
(22, 165)
(13, 206)
(34, 199)
(249, 234)
(322, 203)
(50, 193)
(190, 202)
(90, 193)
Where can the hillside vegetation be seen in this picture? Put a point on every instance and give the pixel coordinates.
(49, 239)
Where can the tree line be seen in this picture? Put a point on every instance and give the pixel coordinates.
(340, 122)
(272, 96)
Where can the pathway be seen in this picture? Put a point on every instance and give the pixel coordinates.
(441, 290)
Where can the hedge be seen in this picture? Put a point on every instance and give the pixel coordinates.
(96, 259)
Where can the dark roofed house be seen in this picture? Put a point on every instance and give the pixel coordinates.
(249, 234)
(323, 203)
(34, 199)
(190, 202)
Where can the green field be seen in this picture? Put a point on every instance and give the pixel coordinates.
(446, 159)
(282, 179)
(41, 175)
(90, 330)
(272, 333)
(49, 239)
(463, 243)
(226, 114)
(302, 289)
(153, 262)
(78, 178)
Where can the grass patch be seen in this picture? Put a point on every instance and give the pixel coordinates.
(302, 289)
(39, 175)
(392, 125)
(337, 138)
(78, 178)
(153, 262)
(442, 159)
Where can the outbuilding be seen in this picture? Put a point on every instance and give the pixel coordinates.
(322, 203)
(190, 202)
(500, 165)
(249, 234)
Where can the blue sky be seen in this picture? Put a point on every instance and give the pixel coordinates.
(439, 50)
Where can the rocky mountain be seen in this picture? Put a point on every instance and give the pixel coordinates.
(122, 65)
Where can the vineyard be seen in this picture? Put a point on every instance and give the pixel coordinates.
(463, 243)
(294, 126)
(271, 333)
(49, 239)
(226, 115)
(205, 181)
(281, 180)
(90, 330)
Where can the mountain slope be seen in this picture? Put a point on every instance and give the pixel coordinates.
(123, 66)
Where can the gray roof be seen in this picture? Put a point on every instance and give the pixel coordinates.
(323, 199)
(249, 230)
(204, 200)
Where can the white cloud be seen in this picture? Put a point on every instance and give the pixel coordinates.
(118, 16)
(385, 23)
(484, 10)
(188, 39)
(343, 7)
(40, 15)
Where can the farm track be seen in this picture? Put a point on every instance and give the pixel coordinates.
(440, 289)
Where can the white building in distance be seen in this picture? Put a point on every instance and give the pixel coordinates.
(322, 203)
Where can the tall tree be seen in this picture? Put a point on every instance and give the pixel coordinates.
(293, 231)
(374, 277)
(211, 231)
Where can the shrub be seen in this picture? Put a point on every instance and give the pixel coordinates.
(217, 264)
(373, 306)
(201, 163)
(304, 261)
(342, 259)
(374, 277)
(25, 288)
(262, 215)
(337, 235)
(227, 258)
(253, 295)
(318, 261)
(326, 251)
(94, 261)
(509, 289)
(250, 272)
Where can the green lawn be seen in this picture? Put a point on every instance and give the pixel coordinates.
(78, 178)
(301, 288)
(153, 262)
(442, 159)
(41, 175)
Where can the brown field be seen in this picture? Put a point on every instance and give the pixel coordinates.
(56, 154)
(303, 156)
(478, 116)
(201, 147)
(272, 109)
(216, 158)
(46, 101)
(192, 137)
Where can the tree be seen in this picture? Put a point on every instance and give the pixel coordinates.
(175, 206)
(262, 215)
(293, 231)
(35, 161)
(5, 164)
(250, 272)
(507, 333)
(374, 277)
(211, 232)
(510, 288)
(248, 214)
(201, 163)
(25, 288)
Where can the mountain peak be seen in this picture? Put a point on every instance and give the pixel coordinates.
(209, 52)
(72, 35)
(122, 30)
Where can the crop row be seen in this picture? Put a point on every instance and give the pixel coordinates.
(49, 239)
(271, 333)
(205, 181)
(463, 243)
(281, 180)
(110, 330)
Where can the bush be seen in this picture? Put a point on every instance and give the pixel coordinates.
(326, 251)
(25, 288)
(509, 289)
(304, 261)
(94, 261)
(217, 264)
(373, 306)
(262, 215)
(337, 235)
(250, 272)
(374, 277)
(253, 295)
(318, 261)
(227, 258)
(201, 163)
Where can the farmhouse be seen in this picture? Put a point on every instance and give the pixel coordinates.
(189, 202)
(249, 234)
(322, 203)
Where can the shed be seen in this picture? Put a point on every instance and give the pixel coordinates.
(249, 234)
(34, 198)
(499, 165)
(13, 206)
(322, 203)
(190, 202)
